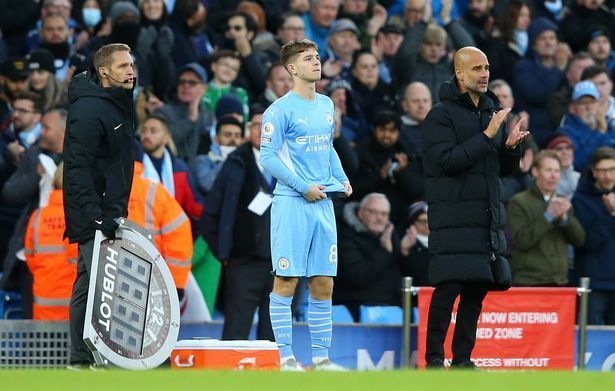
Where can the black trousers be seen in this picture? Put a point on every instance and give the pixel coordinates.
(248, 284)
(468, 311)
(79, 352)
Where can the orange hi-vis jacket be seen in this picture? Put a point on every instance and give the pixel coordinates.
(51, 260)
(153, 208)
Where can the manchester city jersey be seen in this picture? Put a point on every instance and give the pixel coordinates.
(297, 145)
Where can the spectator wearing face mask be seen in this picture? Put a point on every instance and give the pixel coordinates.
(91, 22)
(124, 18)
(229, 133)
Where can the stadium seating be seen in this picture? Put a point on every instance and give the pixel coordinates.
(381, 314)
(340, 314)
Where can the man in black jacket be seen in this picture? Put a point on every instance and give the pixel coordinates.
(368, 271)
(388, 164)
(465, 152)
(238, 234)
(98, 167)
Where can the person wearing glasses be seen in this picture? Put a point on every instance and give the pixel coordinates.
(25, 127)
(569, 177)
(368, 265)
(238, 36)
(595, 203)
(189, 122)
(292, 28)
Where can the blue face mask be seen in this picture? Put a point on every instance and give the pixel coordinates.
(91, 16)
(553, 7)
(521, 39)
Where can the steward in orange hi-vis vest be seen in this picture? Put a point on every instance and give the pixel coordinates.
(152, 207)
(51, 260)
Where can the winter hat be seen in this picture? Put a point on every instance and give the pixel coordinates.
(415, 210)
(336, 84)
(538, 26)
(15, 68)
(558, 138)
(595, 32)
(228, 104)
(120, 8)
(41, 59)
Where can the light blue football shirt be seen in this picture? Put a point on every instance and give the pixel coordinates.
(297, 145)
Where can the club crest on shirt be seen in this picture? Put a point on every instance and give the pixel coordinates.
(329, 118)
(283, 263)
(268, 129)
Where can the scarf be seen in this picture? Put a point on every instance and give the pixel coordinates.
(149, 171)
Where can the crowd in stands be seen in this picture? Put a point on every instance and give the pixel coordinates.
(207, 69)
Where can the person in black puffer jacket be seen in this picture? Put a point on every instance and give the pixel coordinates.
(98, 167)
(368, 249)
(466, 150)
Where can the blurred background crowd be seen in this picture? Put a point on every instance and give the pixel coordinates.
(207, 69)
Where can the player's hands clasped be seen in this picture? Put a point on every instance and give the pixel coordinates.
(559, 207)
(315, 193)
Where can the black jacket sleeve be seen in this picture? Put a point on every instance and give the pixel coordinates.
(442, 149)
(18, 15)
(360, 267)
(84, 137)
(212, 210)
(347, 154)
(22, 187)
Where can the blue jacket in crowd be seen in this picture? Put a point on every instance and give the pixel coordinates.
(596, 258)
(585, 140)
(533, 83)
